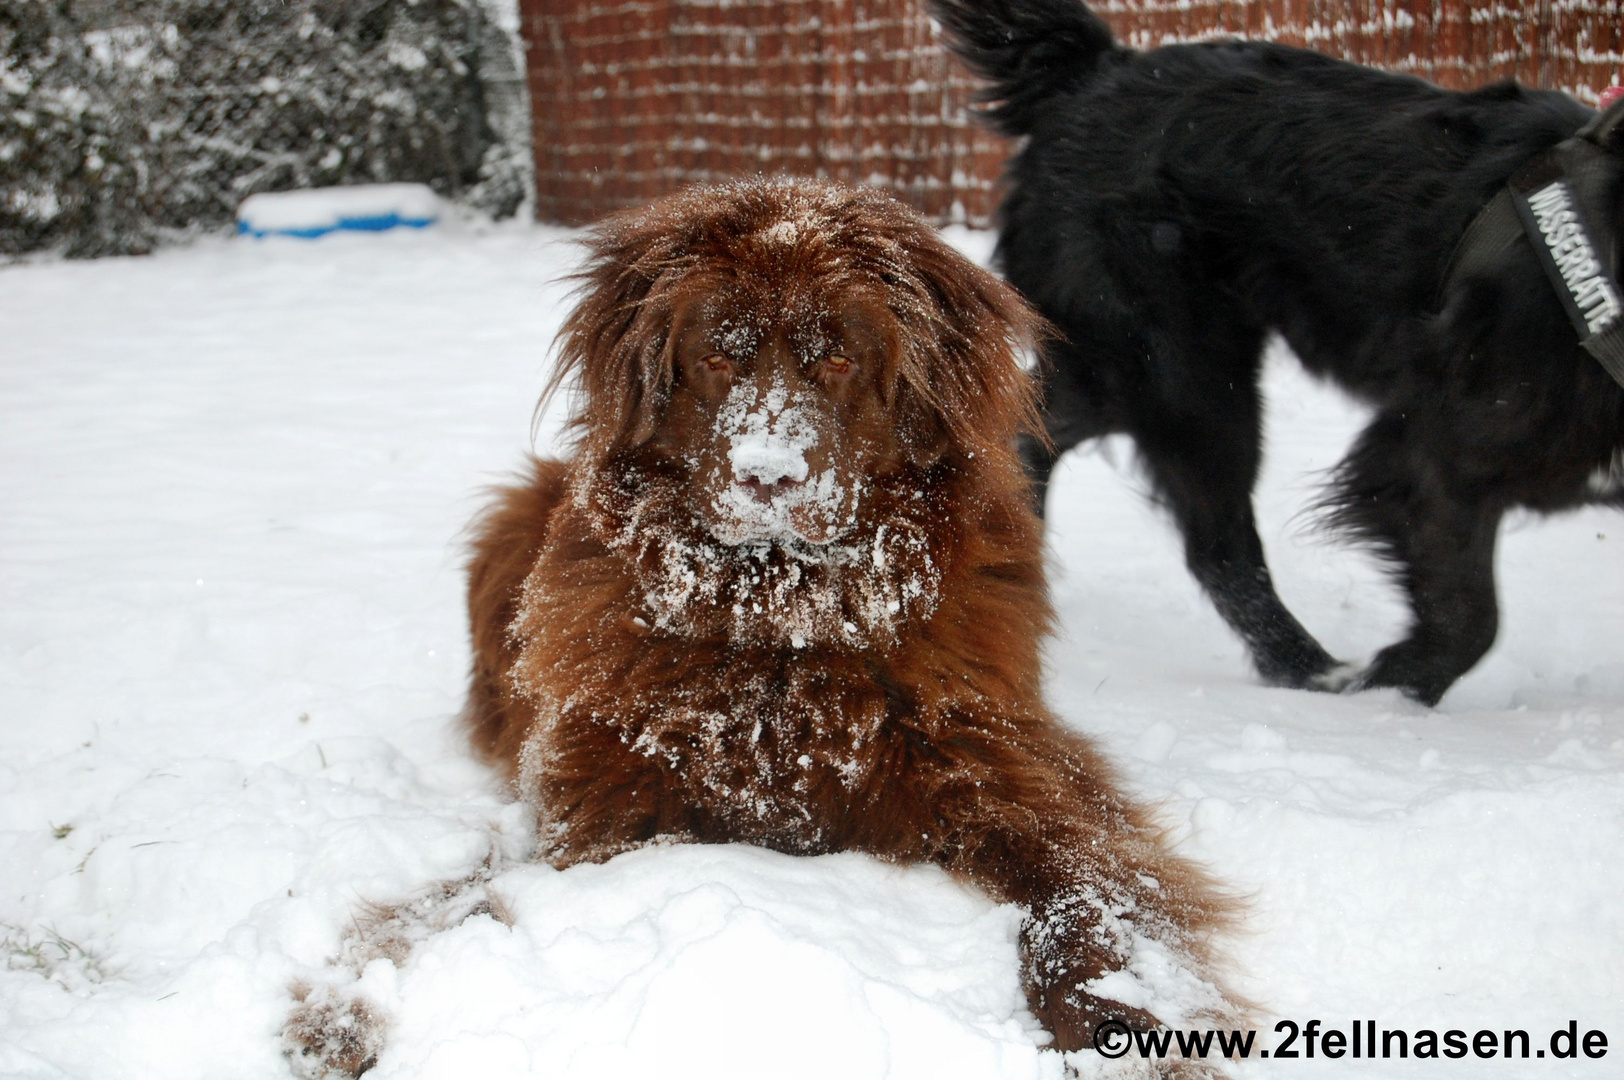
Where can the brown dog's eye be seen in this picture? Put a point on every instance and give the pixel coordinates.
(837, 363)
(716, 362)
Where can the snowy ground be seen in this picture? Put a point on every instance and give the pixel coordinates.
(233, 482)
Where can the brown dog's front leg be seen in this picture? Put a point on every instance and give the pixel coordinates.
(594, 796)
(1082, 914)
(1063, 949)
(1035, 817)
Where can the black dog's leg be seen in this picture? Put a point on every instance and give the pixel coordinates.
(1440, 542)
(1039, 461)
(1073, 412)
(1203, 466)
(1205, 477)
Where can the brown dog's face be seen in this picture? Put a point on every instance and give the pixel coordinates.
(779, 407)
(776, 377)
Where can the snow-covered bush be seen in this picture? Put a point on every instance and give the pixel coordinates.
(126, 121)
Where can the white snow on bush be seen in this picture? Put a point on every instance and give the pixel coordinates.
(234, 482)
(314, 212)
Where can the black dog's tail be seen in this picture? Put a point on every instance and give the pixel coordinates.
(1030, 50)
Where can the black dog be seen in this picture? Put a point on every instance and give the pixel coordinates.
(1171, 208)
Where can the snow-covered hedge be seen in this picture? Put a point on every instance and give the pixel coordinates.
(123, 122)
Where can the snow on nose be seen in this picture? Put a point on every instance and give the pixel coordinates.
(773, 493)
(768, 443)
(761, 463)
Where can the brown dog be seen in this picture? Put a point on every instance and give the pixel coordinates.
(789, 589)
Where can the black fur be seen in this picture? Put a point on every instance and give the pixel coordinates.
(1171, 208)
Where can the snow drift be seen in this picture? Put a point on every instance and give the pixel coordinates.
(232, 649)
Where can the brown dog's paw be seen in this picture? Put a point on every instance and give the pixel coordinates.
(1074, 1017)
(1100, 1038)
(331, 1034)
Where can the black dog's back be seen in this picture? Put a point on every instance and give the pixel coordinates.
(1310, 196)
(1172, 208)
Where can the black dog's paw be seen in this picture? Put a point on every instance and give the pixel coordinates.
(1305, 666)
(1340, 678)
(1414, 672)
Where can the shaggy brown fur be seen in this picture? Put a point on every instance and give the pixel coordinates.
(789, 590)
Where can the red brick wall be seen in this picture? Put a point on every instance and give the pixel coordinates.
(1573, 45)
(633, 98)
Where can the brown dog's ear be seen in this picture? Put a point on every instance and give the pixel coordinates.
(961, 385)
(613, 347)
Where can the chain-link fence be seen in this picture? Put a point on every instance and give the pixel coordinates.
(124, 122)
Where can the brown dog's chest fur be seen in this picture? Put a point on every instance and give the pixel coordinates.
(771, 694)
(768, 748)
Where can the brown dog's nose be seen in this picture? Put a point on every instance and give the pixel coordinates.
(764, 492)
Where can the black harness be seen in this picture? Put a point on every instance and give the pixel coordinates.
(1558, 202)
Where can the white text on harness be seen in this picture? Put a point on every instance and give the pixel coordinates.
(1575, 257)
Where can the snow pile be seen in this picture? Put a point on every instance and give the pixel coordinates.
(232, 648)
(719, 958)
